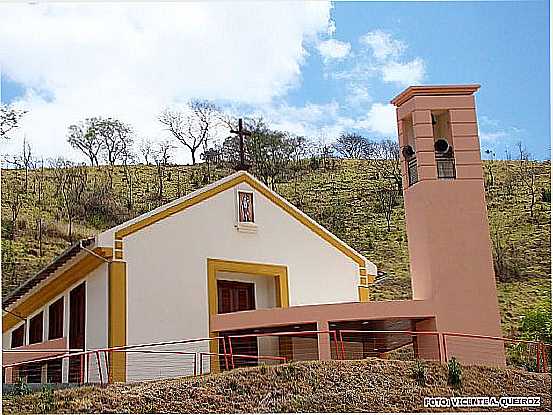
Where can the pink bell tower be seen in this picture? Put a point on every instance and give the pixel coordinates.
(446, 217)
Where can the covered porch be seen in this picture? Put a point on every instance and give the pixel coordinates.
(329, 331)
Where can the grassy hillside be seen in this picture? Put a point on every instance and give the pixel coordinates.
(370, 385)
(342, 198)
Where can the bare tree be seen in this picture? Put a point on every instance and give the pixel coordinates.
(161, 157)
(128, 158)
(71, 182)
(351, 145)
(115, 136)
(83, 137)
(24, 161)
(489, 167)
(386, 202)
(146, 148)
(527, 175)
(193, 129)
(385, 157)
(14, 198)
(39, 204)
(9, 119)
(27, 161)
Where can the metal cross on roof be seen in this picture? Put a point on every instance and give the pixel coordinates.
(241, 134)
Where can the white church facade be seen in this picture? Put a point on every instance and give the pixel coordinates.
(232, 246)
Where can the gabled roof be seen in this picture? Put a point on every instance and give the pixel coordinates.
(106, 239)
(135, 225)
(48, 270)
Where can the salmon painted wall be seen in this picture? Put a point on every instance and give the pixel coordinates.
(446, 219)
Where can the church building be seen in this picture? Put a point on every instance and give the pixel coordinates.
(235, 257)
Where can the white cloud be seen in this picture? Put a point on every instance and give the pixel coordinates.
(333, 49)
(131, 60)
(381, 119)
(493, 136)
(494, 131)
(309, 120)
(387, 60)
(383, 45)
(409, 73)
(325, 122)
(358, 94)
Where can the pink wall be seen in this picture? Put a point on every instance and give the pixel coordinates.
(446, 219)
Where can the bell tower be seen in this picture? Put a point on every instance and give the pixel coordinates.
(445, 207)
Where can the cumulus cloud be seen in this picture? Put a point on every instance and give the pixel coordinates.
(131, 60)
(325, 122)
(333, 49)
(383, 45)
(381, 119)
(388, 59)
(358, 94)
(409, 73)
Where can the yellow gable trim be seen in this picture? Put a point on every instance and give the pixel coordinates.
(55, 287)
(171, 210)
(244, 178)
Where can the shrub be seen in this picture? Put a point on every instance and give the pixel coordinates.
(263, 369)
(20, 388)
(546, 195)
(46, 399)
(454, 373)
(536, 323)
(419, 372)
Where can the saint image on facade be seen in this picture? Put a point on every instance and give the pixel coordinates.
(245, 202)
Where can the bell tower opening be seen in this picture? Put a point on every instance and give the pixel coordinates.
(443, 149)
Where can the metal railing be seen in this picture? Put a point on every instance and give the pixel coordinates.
(192, 357)
(412, 173)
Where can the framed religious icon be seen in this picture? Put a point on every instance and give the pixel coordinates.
(245, 207)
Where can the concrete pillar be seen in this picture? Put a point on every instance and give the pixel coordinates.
(323, 341)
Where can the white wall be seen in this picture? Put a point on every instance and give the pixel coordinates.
(96, 319)
(167, 265)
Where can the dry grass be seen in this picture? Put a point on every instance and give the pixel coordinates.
(370, 385)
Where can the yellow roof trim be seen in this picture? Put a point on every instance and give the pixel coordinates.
(34, 300)
(244, 177)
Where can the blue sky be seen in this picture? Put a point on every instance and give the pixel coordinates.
(317, 70)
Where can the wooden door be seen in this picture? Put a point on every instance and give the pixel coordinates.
(77, 306)
(235, 296)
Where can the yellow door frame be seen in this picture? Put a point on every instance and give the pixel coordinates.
(278, 272)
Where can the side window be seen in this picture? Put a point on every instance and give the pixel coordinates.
(55, 320)
(35, 328)
(18, 336)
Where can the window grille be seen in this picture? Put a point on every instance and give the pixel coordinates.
(412, 173)
(446, 167)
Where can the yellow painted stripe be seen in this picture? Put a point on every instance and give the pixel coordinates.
(150, 220)
(55, 287)
(117, 311)
(363, 294)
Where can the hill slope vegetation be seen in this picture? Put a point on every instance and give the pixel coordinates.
(45, 209)
(370, 385)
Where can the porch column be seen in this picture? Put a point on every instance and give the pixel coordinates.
(323, 341)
